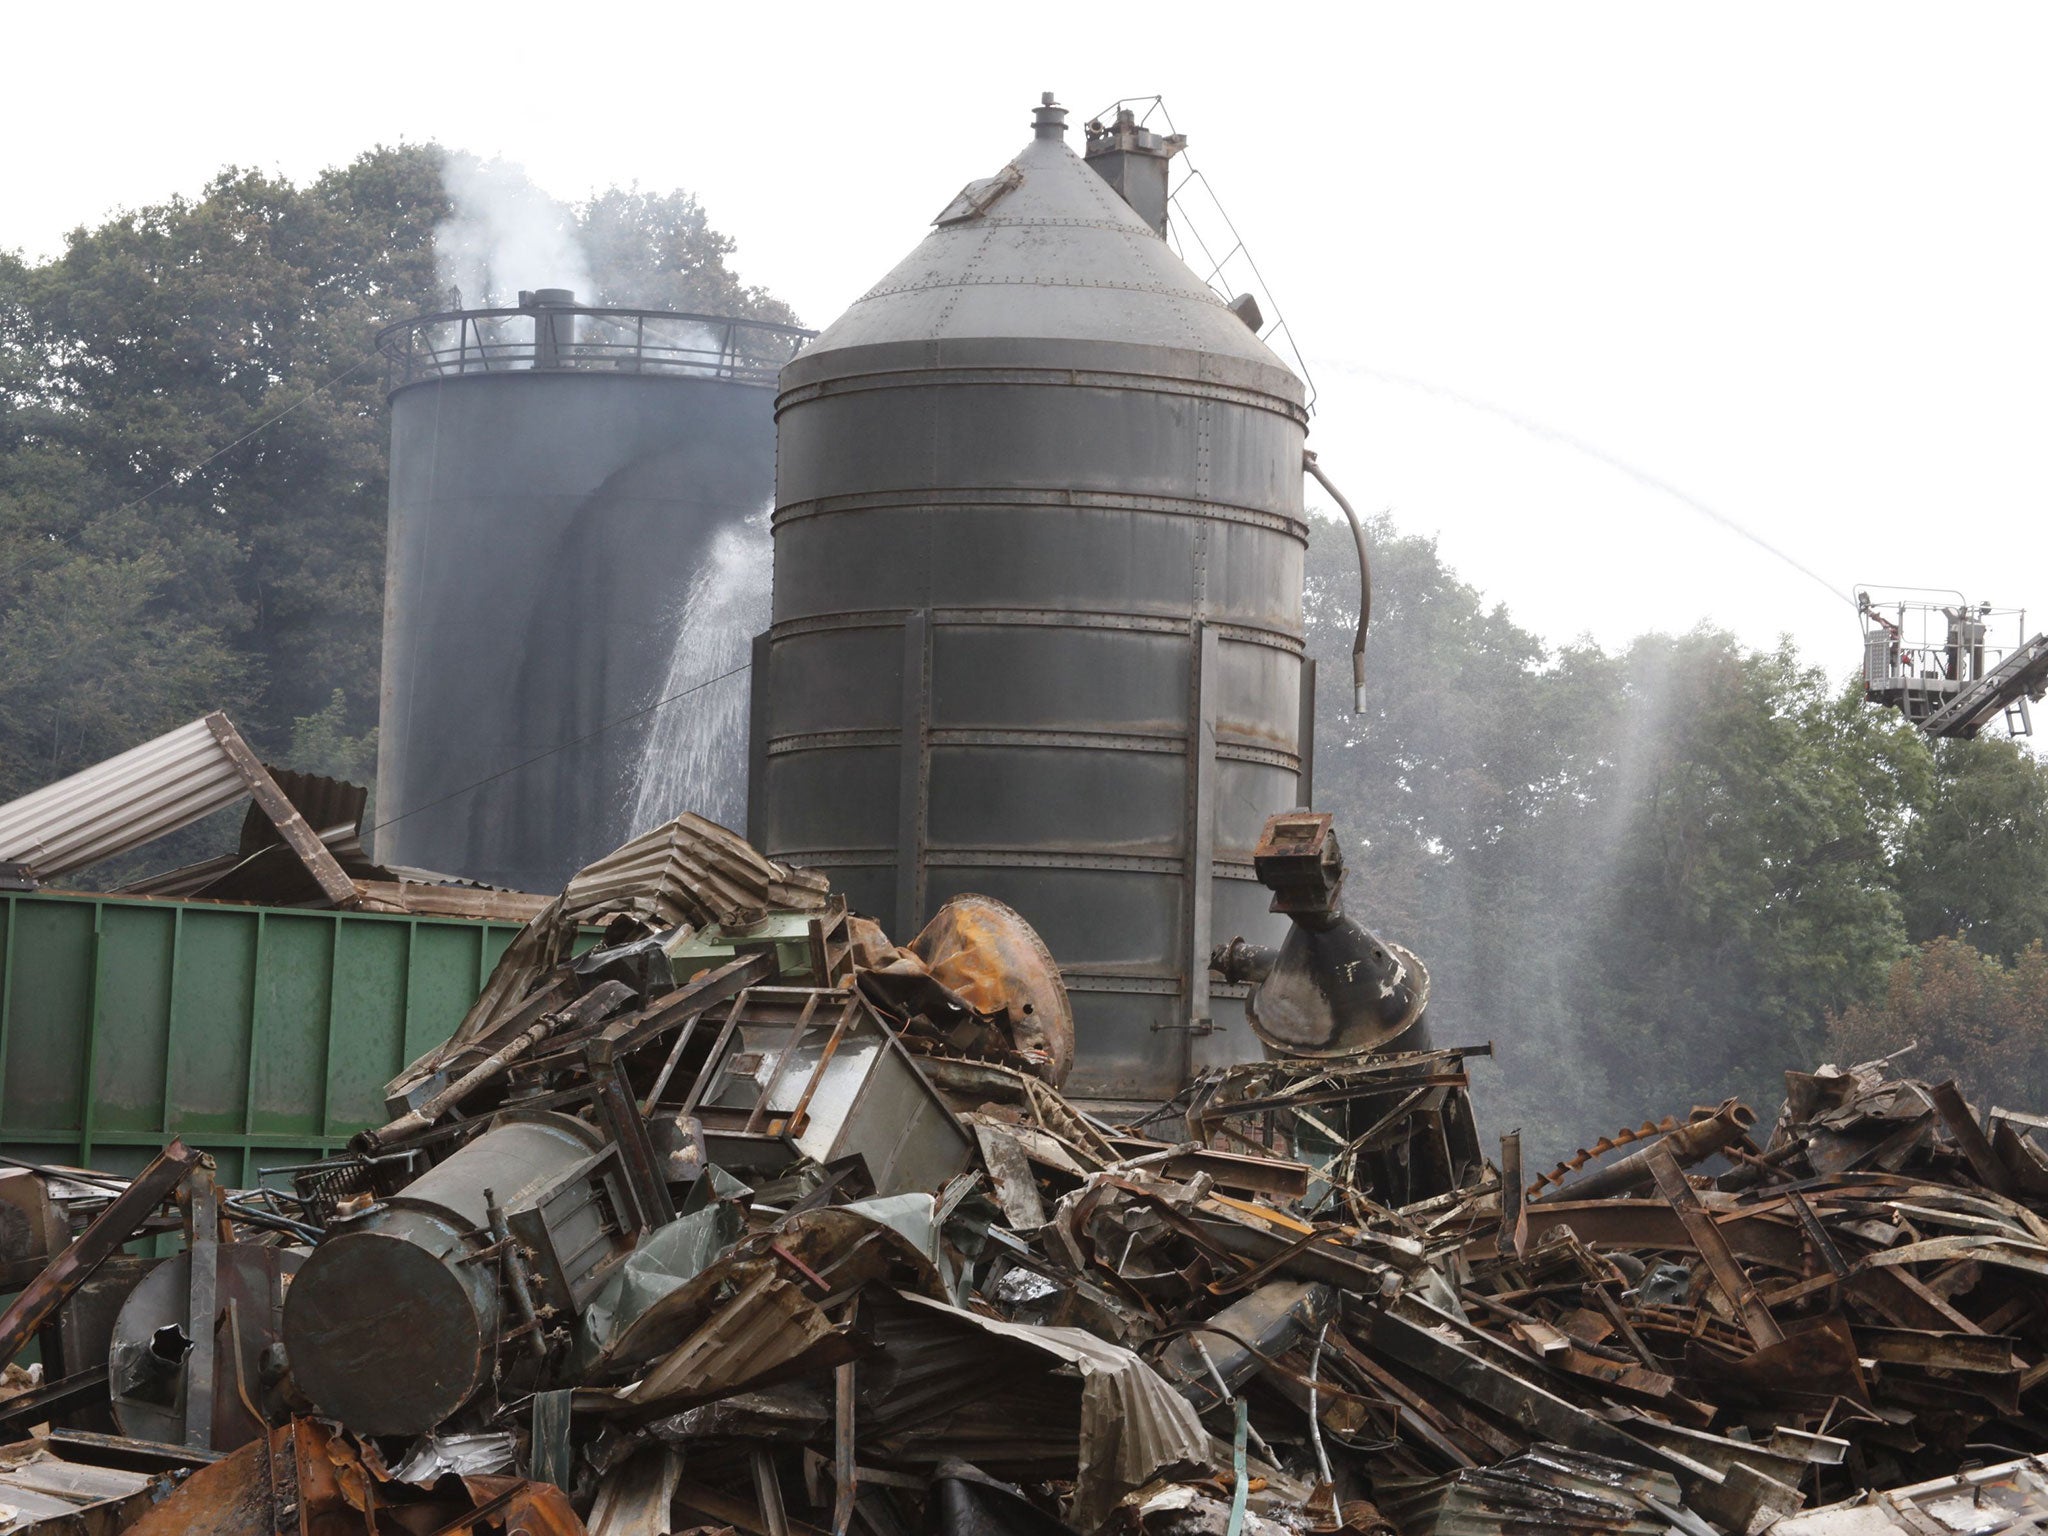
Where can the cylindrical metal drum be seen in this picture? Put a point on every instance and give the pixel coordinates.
(1038, 606)
(557, 476)
(388, 1327)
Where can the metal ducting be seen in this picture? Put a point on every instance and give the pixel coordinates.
(557, 474)
(1037, 626)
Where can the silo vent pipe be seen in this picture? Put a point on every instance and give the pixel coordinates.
(1308, 462)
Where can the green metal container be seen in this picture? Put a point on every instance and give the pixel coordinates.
(263, 1035)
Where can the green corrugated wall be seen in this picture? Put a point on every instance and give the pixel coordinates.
(263, 1035)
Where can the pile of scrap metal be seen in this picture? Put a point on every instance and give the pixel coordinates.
(722, 1211)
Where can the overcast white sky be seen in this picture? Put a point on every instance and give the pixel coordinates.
(1788, 258)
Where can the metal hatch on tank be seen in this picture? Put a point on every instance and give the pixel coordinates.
(1037, 627)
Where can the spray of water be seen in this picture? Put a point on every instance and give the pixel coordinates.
(1640, 476)
(696, 753)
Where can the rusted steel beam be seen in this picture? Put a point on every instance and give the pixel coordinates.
(291, 826)
(1823, 1245)
(845, 1473)
(1756, 1239)
(1969, 1135)
(1504, 1392)
(108, 1231)
(1713, 1248)
(1514, 1220)
(688, 1001)
(587, 1009)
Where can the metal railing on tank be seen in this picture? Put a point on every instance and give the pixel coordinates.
(586, 339)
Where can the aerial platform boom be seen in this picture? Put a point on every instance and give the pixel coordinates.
(1956, 684)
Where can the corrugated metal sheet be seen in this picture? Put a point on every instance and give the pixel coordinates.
(690, 870)
(122, 803)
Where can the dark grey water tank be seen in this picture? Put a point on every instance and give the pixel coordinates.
(1037, 611)
(554, 470)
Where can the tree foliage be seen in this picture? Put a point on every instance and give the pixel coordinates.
(1975, 865)
(1651, 877)
(215, 355)
(1967, 1015)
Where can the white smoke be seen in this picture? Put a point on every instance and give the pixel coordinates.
(505, 234)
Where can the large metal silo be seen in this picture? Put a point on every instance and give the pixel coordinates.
(555, 472)
(1037, 622)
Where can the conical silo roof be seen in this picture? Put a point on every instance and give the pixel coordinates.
(1044, 256)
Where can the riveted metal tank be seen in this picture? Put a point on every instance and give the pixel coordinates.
(558, 472)
(1037, 624)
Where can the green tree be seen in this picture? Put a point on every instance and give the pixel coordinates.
(1970, 1016)
(215, 355)
(658, 251)
(1975, 864)
(1647, 876)
(159, 350)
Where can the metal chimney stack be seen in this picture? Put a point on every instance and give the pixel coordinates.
(1135, 161)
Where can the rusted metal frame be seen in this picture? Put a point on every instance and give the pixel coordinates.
(1898, 1141)
(794, 1125)
(1969, 1135)
(107, 1232)
(83, 1389)
(202, 1305)
(1514, 1220)
(1262, 1271)
(291, 826)
(619, 1115)
(714, 1072)
(845, 1470)
(1792, 1295)
(1713, 1248)
(690, 1000)
(759, 1117)
(1823, 1245)
(1900, 1295)
(1653, 1224)
(768, 1492)
(1607, 1304)
(1279, 1177)
(1979, 1353)
(669, 1064)
(1390, 1084)
(1533, 1323)
(587, 1009)
(1412, 1410)
(1494, 1387)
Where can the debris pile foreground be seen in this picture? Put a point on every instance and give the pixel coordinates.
(722, 1210)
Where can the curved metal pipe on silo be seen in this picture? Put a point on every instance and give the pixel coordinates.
(1037, 633)
(556, 471)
